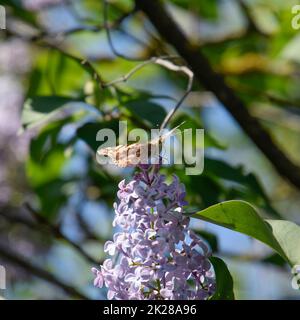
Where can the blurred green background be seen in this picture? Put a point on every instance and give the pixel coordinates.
(56, 201)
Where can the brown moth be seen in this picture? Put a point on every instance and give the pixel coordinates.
(134, 154)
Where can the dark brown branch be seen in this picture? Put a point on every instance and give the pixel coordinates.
(54, 230)
(214, 82)
(90, 235)
(39, 272)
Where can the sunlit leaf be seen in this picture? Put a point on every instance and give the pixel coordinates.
(282, 236)
(39, 109)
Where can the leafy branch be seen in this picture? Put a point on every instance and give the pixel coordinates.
(199, 64)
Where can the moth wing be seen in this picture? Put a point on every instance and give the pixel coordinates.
(120, 155)
(108, 150)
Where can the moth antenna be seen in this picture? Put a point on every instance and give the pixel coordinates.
(164, 137)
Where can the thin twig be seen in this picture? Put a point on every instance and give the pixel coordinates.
(164, 62)
(16, 259)
(109, 37)
(43, 41)
(91, 28)
(125, 77)
(190, 75)
(82, 62)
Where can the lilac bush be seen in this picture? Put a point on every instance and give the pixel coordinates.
(155, 255)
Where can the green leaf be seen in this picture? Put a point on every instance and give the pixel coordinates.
(250, 188)
(143, 95)
(282, 236)
(52, 197)
(41, 173)
(107, 184)
(210, 189)
(39, 109)
(47, 140)
(274, 259)
(148, 111)
(44, 177)
(206, 8)
(287, 234)
(34, 82)
(44, 167)
(223, 279)
(88, 132)
(193, 122)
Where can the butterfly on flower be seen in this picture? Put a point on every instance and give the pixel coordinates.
(134, 154)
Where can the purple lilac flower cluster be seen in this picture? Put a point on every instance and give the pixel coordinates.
(155, 256)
